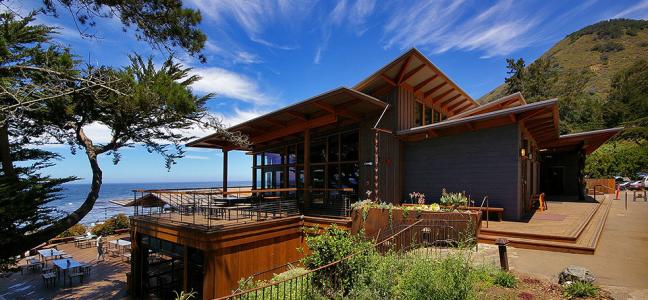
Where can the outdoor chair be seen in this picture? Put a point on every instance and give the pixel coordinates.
(32, 264)
(64, 254)
(86, 270)
(75, 273)
(49, 278)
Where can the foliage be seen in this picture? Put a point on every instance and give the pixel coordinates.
(185, 295)
(624, 158)
(419, 197)
(610, 29)
(76, 230)
(108, 227)
(453, 200)
(290, 289)
(580, 289)
(330, 246)
(505, 279)
(609, 46)
(165, 24)
(448, 277)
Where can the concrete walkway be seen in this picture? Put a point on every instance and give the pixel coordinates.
(620, 262)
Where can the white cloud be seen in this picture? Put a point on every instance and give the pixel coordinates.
(318, 56)
(229, 84)
(443, 25)
(197, 157)
(639, 10)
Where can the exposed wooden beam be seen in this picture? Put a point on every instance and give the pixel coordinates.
(389, 80)
(325, 106)
(446, 93)
(531, 114)
(513, 118)
(434, 89)
(424, 83)
(401, 73)
(275, 122)
(452, 107)
(297, 115)
(411, 73)
(540, 123)
(295, 128)
(461, 108)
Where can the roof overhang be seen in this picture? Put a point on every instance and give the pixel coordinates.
(329, 108)
(512, 100)
(540, 119)
(414, 71)
(589, 141)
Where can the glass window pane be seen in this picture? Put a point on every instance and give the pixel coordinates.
(300, 153)
(272, 157)
(333, 176)
(318, 176)
(292, 177)
(333, 148)
(418, 114)
(428, 115)
(269, 182)
(350, 176)
(443, 117)
(349, 143)
(258, 178)
(259, 158)
(437, 117)
(292, 154)
(318, 151)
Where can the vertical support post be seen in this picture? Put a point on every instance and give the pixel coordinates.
(185, 271)
(626, 200)
(225, 151)
(501, 245)
(254, 172)
(307, 175)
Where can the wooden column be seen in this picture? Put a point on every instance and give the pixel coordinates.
(254, 173)
(225, 151)
(185, 271)
(307, 181)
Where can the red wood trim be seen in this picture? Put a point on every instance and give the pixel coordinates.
(411, 73)
(389, 80)
(437, 98)
(434, 89)
(295, 128)
(401, 73)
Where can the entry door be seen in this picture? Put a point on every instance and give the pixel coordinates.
(556, 181)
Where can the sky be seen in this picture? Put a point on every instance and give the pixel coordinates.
(263, 55)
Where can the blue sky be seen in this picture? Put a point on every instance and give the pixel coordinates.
(264, 54)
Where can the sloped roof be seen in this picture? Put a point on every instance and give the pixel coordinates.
(318, 111)
(589, 140)
(414, 70)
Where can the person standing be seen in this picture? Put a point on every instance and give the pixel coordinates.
(100, 250)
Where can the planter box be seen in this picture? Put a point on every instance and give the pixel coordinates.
(452, 225)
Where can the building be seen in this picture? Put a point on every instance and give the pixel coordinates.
(406, 128)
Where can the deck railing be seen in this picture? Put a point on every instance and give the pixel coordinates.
(424, 235)
(215, 208)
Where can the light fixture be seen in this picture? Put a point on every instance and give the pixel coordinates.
(523, 152)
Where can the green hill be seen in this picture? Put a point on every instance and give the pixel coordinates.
(602, 50)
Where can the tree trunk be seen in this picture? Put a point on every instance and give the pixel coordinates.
(32, 240)
(5, 151)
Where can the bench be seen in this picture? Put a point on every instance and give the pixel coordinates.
(498, 210)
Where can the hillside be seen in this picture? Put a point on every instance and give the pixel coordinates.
(603, 49)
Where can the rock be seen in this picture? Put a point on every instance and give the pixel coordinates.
(575, 273)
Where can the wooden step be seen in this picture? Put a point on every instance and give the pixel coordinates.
(585, 243)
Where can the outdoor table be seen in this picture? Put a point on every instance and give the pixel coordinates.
(62, 264)
(48, 254)
(121, 244)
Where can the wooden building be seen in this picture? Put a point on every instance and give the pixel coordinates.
(406, 128)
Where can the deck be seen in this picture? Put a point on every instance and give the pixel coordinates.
(565, 226)
(107, 279)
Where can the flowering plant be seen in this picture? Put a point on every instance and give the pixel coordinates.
(453, 200)
(420, 197)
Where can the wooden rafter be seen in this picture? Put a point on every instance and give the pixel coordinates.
(411, 73)
(294, 128)
(297, 115)
(389, 80)
(434, 89)
(513, 118)
(461, 108)
(425, 82)
(452, 107)
(325, 106)
(531, 114)
(539, 123)
(401, 73)
(275, 122)
(439, 97)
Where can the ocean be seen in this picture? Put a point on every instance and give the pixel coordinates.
(73, 195)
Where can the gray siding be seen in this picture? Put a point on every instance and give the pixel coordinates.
(484, 162)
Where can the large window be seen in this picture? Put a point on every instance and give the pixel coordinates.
(425, 115)
(418, 113)
(333, 164)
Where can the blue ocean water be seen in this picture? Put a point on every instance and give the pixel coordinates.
(73, 195)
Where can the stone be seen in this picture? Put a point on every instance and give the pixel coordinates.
(575, 273)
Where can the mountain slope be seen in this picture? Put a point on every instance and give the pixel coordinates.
(603, 49)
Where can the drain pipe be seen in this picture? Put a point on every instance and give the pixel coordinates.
(501, 245)
(376, 131)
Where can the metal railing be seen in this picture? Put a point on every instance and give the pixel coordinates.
(210, 208)
(427, 235)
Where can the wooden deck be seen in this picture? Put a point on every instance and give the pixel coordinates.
(566, 227)
(202, 222)
(107, 279)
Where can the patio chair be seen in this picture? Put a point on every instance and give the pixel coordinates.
(75, 273)
(64, 254)
(49, 278)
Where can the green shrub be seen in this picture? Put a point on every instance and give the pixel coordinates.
(119, 221)
(380, 277)
(609, 46)
(448, 277)
(505, 279)
(332, 245)
(75, 230)
(292, 289)
(580, 289)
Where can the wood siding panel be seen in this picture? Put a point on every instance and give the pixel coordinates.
(483, 162)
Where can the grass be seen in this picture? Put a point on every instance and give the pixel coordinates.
(505, 279)
(580, 289)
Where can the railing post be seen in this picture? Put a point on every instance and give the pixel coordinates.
(501, 245)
